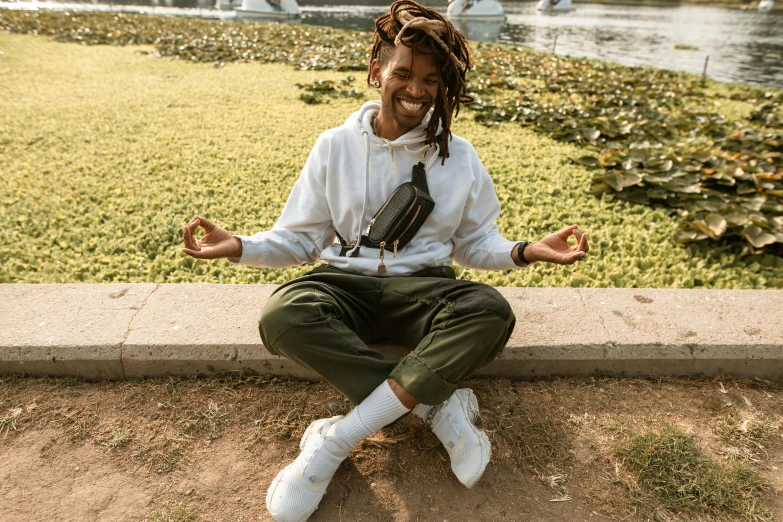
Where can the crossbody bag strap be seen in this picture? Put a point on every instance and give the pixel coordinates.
(420, 177)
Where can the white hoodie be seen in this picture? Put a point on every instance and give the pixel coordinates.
(349, 175)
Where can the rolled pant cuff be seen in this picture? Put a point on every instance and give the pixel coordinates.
(421, 382)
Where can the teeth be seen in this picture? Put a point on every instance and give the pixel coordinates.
(411, 106)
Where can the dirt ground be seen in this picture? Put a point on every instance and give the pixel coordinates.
(206, 450)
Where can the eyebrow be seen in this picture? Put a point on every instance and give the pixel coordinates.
(401, 69)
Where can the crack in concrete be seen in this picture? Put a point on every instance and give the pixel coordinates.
(601, 316)
(128, 331)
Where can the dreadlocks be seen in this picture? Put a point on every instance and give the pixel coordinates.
(418, 27)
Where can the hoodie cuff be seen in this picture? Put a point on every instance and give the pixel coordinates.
(251, 251)
(502, 256)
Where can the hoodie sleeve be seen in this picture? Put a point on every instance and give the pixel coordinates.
(305, 226)
(477, 240)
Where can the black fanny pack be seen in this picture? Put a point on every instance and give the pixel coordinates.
(398, 220)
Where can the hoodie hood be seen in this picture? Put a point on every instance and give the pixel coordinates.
(361, 119)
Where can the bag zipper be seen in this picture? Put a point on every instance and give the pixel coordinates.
(381, 266)
(406, 229)
(415, 223)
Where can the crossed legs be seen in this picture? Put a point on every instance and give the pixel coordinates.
(324, 322)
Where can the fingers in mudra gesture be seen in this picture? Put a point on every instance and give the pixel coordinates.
(554, 248)
(215, 243)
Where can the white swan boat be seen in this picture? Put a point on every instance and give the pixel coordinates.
(554, 5)
(766, 5)
(228, 5)
(476, 10)
(267, 9)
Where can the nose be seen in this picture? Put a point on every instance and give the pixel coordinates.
(415, 88)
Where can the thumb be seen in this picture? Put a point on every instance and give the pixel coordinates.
(575, 256)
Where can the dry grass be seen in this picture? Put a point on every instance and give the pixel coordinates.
(588, 439)
(176, 512)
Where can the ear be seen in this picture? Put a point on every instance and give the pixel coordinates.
(375, 70)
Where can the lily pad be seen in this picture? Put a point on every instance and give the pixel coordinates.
(757, 236)
(716, 225)
(588, 161)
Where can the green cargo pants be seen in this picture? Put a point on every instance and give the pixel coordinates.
(325, 319)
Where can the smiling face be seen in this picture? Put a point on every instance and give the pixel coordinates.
(409, 87)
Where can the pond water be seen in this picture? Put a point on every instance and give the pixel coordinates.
(743, 45)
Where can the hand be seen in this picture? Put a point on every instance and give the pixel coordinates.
(215, 244)
(554, 248)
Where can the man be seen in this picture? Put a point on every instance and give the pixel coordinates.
(325, 319)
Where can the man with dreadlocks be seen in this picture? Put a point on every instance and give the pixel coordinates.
(325, 319)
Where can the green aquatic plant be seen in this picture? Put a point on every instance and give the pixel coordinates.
(651, 146)
(317, 91)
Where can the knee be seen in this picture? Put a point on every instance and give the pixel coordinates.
(497, 329)
(285, 310)
(468, 297)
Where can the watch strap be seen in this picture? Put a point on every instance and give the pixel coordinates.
(521, 246)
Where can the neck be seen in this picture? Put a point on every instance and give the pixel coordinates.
(386, 127)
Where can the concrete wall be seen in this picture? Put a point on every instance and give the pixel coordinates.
(117, 331)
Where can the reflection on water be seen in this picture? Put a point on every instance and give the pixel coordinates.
(743, 45)
(480, 30)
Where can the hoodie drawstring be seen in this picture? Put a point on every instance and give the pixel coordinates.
(366, 136)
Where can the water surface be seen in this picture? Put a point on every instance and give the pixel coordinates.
(743, 45)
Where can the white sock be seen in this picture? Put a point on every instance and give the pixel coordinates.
(422, 410)
(380, 408)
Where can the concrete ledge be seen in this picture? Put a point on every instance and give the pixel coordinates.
(116, 331)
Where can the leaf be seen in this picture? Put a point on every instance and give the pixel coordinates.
(688, 235)
(588, 161)
(754, 204)
(716, 224)
(660, 165)
(712, 204)
(591, 134)
(757, 236)
(685, 236)
(737, 217)
(701, 156)
(619, 181)
(678, 186)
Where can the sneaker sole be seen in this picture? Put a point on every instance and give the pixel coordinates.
(270, 493)
(486, 453)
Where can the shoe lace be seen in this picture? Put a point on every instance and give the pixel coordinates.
(427, 421)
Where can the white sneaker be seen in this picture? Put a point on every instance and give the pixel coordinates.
(297, 490)
(468, 447)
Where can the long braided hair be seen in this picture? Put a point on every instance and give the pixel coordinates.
(418, 27)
